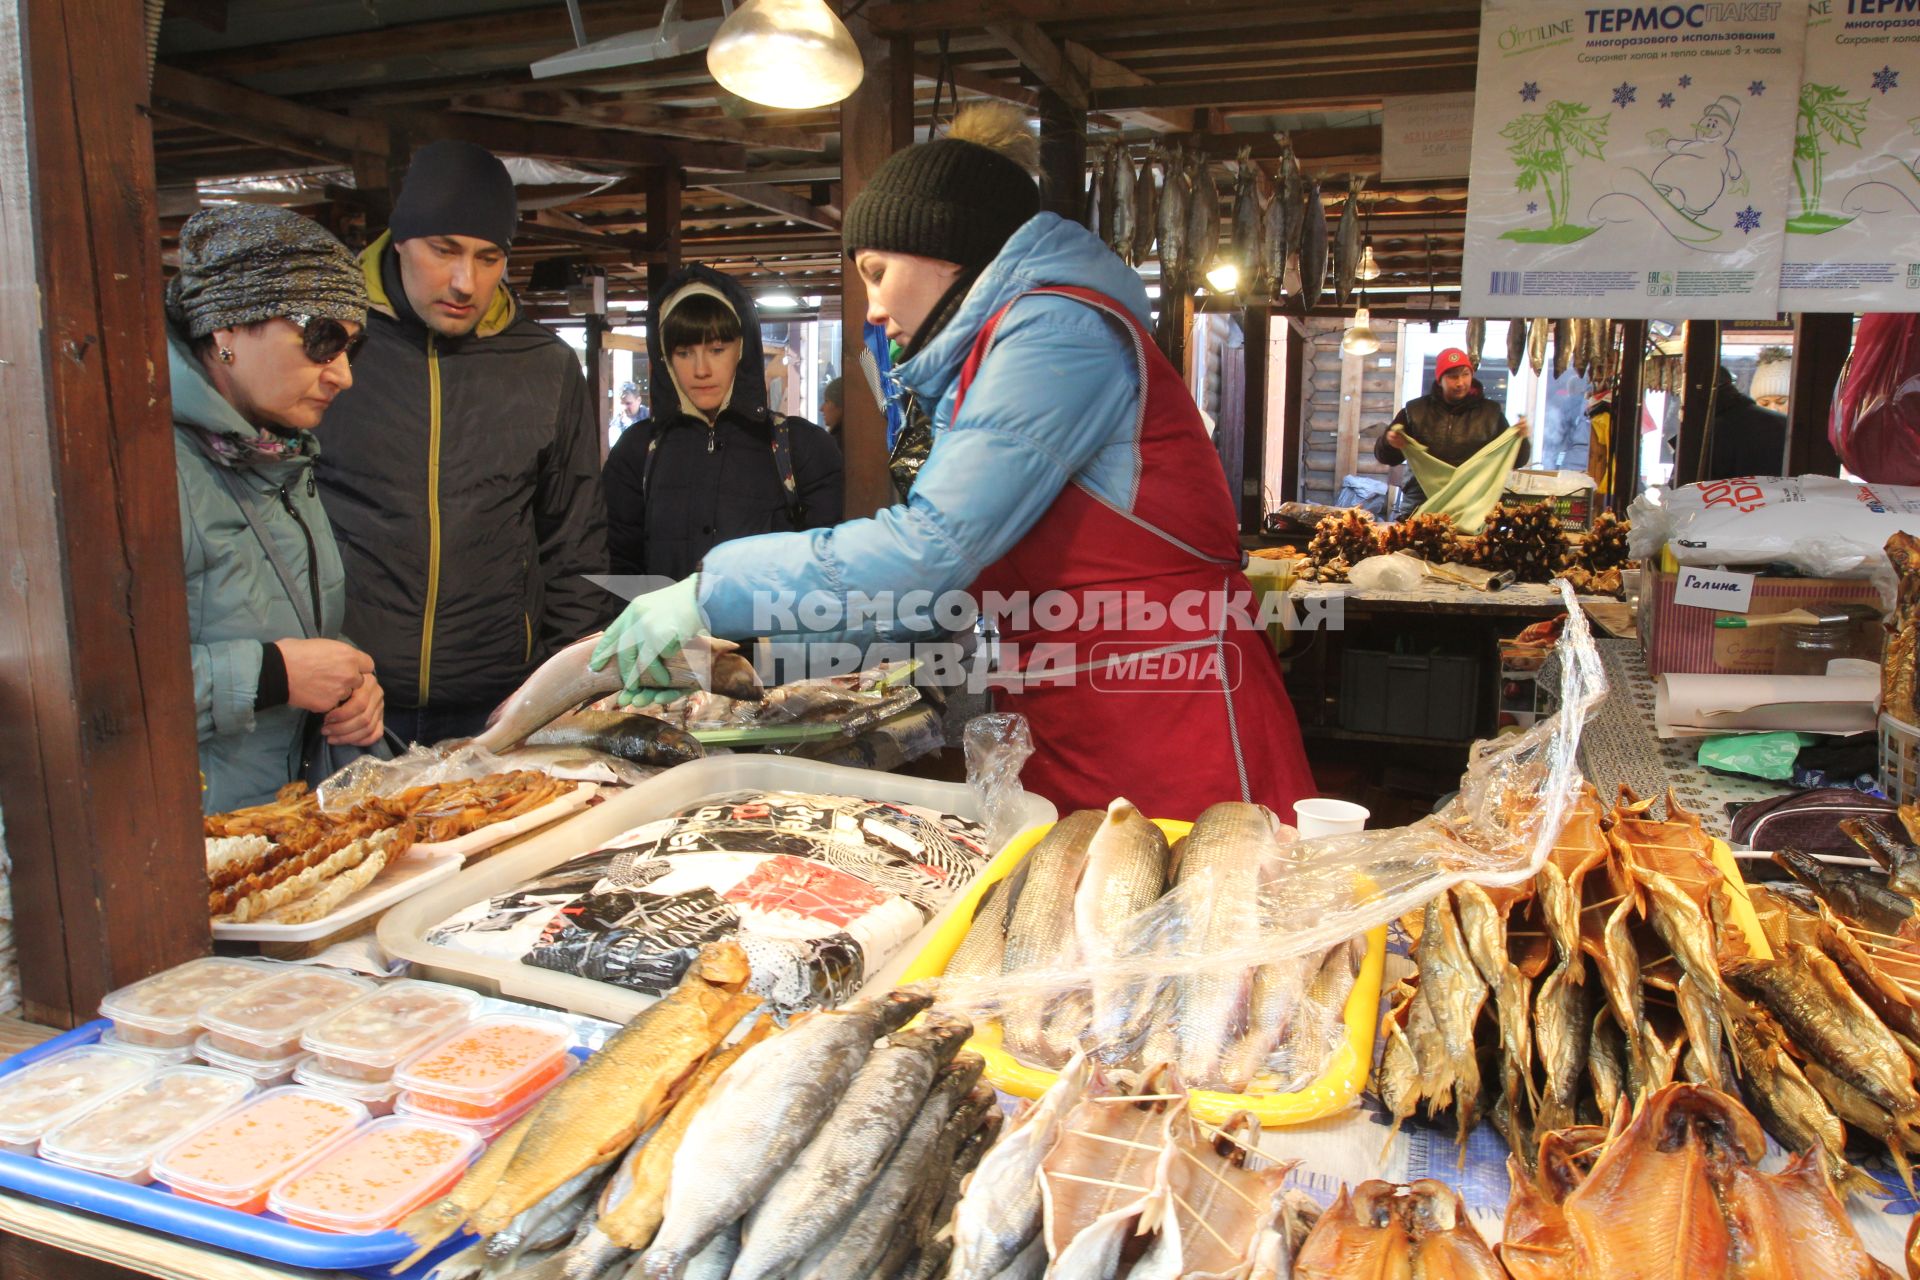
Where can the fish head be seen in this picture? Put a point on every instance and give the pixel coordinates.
(723, 964)
(958, 1077)
(940, 1034)
(1377, 1204)
(1680, 1112)
(901, 1005)
(1433, 1206)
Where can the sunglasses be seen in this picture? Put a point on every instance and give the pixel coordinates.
(323, 339)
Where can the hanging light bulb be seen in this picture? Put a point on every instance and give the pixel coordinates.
(1223, 277)
(1369, 268)
(789, 54)
(778, 300)
(1359, 339)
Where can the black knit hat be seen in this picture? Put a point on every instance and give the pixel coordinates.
(947, 199)
(456, 189)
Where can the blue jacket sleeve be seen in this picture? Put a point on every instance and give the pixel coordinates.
(1058, 386)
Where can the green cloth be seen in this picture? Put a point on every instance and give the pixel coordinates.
(1466, 492)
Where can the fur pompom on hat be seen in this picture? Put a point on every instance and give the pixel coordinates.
(956, 199)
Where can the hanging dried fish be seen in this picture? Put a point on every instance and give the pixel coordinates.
(1096, 181)
(1203, 217)
(1516, 345)
(1476, 339)
(1346, 251)
(1109, 193)
(1120, 232)
(1293, 192)
(1146, 207)
(1248, 246)
(1278, 222)
(1537, 345)
(1313, 248)
(1562, 346)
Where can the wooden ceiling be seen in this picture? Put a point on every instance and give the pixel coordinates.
(315, 95)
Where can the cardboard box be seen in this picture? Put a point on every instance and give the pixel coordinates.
(1683, 638)
(1570, 492)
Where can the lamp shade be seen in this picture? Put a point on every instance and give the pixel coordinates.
(1360, 340)
(790, 54)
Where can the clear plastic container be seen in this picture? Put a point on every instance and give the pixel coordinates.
(486, 1069)
(235, 1160)
(488, 1130)
(120, 1138)
(264, 1074)
(39, 1099)
(111, 1039)
(377, 1096)
(373, 1035)
(264, 1021)
(163, 1012)
(377, 1177)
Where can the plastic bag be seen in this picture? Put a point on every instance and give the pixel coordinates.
(1757, 755)
(898, 740)
(997, 746)
(1875, 422)
(1822, 526)
(1396, 572)
(1516, 795)
(369, 778)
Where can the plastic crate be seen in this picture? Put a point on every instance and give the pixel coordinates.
(1410, 695)
(1899, 760)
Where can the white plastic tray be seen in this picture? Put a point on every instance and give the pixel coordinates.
(403, 930)
(422, 866)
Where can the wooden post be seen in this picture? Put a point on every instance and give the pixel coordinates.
(597, 367)
(1346, 454)
(875, 121)
(664, 188)
(1626, 416)
(100, 782)
(1702, 364)
(1063, 156)
(1293, 444)
(1254, 325)
(1821, 345)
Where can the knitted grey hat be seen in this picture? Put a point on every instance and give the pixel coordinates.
(241, 264)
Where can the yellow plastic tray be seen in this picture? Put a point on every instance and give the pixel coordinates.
(1338, 1085)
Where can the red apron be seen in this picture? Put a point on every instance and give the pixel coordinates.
(1134, 680)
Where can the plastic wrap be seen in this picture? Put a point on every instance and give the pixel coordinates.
(1314, 897)
(849, 705)
(368, 778)
(1821, 526)
(1875, 425)
(996, 746)
(898, 740)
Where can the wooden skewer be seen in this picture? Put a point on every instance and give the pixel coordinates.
(1142, 1097)
(1607, 902)
(1118, 1142)
(1216, 1176)
(1098, 1182)
(1247, 1147)
(1192, 1213)
(1890, 937)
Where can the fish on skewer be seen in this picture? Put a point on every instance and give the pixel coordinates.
(1102, 1175)
(1852, 895)
(1561, 1020)
(1000, 1211)
(1900, 859)
(1789, 1105)
(1209, 1217)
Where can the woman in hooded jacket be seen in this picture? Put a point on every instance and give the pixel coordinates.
(263, 321)
(713, 462)
(1069, 468)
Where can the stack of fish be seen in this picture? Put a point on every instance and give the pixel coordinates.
(1677, 1192)
(1094, 1183)
(1103, 891)
(1384, 1231)
(1618, 970)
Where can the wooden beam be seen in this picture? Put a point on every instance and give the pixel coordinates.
(1626, 417)
(773, 174)
(213, 102)
(875, 121)
(1104, 73)
(1063, 156)
(1701, 359)
(664, 189)
(784, 203)
(552, 225)
(1281, 89)
(1255, 328)
(909, 18)
(1046, 60)
(1346, 456)
(1821, 344)
(559, 106)
(100, 784)
(1293, 436)
(976, 82)
(570, 142)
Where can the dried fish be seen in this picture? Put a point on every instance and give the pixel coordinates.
(1899, 858)
(1454, 992)
(1687, 931)
(1854, 896)
(1040, 925)
(1346, 249)
(1562, 345)
(1278, 227)
(1606, 1062)
(1218, 867)
(1358, 1236)
(1476, 339)
(1249, 248)
(1561, 1019)
(999, 1215)
(1096, 215)
(981, 953)
(1516, 346)
(1787, 1102)
(1101, 1176)
(1146, 211)
(1485, 930)
(1171, 222)
(1313, 248)
(1203, 215)
(1212, 1207)
(1537, 345)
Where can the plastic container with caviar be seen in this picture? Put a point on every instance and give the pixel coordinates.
(377, 1096)
(404, 1105)
(487, 1068)
(264, 1021)
(265, 1075)
(376, 1177)
(120, 1137)
(373, 1035)
(236, 1160)
(163, 1012)
(40, 1098)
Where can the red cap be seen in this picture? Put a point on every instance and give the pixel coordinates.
(1450, 359)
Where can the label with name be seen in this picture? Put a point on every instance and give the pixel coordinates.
(1714, 589)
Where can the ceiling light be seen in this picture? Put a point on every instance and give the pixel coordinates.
(789, 54)
(778, 300)
(1369, 268)
(1359, 339)
(1223, 277)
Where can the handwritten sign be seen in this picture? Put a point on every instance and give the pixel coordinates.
(1714, 589)
(1427, 135)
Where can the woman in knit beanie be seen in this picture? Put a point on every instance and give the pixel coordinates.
(1069, 470)
(264, 317)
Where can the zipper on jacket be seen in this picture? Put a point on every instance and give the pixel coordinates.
(433, 520)
(313, 575)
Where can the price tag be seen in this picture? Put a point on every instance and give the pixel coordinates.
(1714, 589)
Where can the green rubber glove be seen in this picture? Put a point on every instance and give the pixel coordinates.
(649, 630)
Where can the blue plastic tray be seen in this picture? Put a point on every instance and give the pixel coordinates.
(158, 1209)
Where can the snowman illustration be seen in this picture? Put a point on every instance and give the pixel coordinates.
(1696, 170)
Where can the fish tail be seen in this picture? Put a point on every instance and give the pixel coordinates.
(428, 1227)
(663, 1264)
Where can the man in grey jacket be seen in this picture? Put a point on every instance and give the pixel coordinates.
(462, 469)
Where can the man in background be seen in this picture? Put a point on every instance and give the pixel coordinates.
(1745, 439)
(833, 406)
(629, 409)
(1453, 421)
(462, 469)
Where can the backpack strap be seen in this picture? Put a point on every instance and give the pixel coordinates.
(783, 462)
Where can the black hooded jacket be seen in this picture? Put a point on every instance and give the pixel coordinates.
(1747, 440)
(709, 485)
(1451, 430)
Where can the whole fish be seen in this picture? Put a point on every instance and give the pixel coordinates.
(1120, 235)
(813, 1195)
(1620, 979)
(1146, 212)
(596, 1114)
(1249, 246)
(1097, 198)
(1218, 876)
(1606, 1062)
(1853, 896)
(1040, 932)
(1898, 858)
(981, 952)
(1203, 216)
(1000, 1211)
(1346, 248)
(1562, 345)
(1125, 873)
(1476, 339)
(716, 1261)
(565, 681)
(582, 762)
(1516, 345)
(1689, 935)
(625, 734)
(1579, 351)
(1102, 1175)
(1455, 993)
(1030, 1265)
(761, 1113)
(1780, 1092)
(1397, 1079)
(1484, 930)
(1313, 248)
(551, 1221)
(1293, 192)
(913, 1224)
(1214, 1206)
(1537, 345)
(1855, 1108)
(1885, 997)
(1275, 1010)
(1276, 226)
(863, 1236)
(1561, 1021)
(1109, 189)
(1171, 222)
